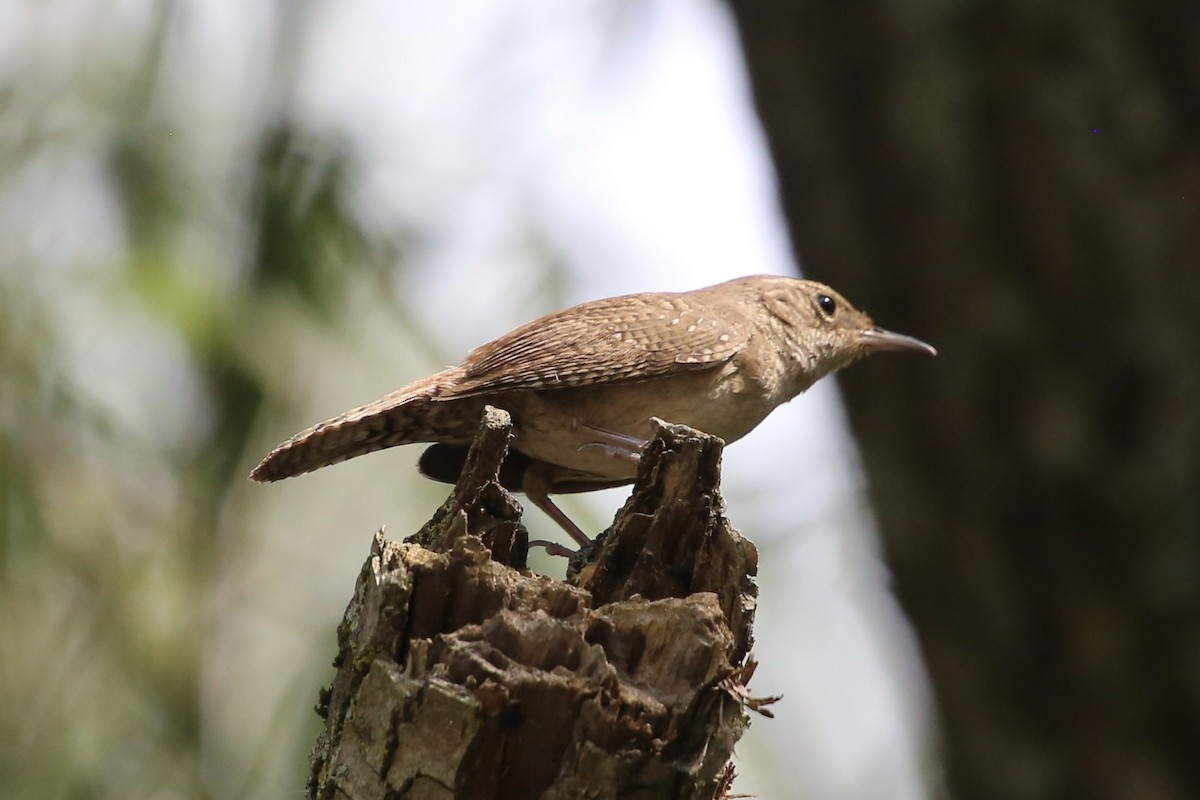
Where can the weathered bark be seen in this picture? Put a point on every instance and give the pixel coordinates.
(460, 674)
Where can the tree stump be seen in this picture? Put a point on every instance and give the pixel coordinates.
(460, 674)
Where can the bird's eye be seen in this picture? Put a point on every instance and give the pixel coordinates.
(827, 304)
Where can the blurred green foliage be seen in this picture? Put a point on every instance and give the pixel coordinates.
(133, 371)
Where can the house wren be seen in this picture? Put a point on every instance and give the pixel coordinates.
(582, 384)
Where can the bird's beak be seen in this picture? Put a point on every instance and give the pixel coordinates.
(873, 339)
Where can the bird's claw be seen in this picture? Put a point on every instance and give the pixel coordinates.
(554, 548)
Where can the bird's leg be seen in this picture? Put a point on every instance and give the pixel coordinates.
(536, 486)
(620, 446)
(537, 481)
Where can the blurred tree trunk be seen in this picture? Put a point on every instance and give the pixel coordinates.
(1019, 184)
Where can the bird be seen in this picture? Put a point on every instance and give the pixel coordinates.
(582, 385)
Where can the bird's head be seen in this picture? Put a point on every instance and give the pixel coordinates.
(825, 331)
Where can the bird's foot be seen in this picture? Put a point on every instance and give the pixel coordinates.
(554, 548)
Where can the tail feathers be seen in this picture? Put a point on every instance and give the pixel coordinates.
(401, 417)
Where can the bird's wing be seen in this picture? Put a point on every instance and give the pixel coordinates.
(605, 341)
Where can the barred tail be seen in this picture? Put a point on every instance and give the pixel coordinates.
(402, 417)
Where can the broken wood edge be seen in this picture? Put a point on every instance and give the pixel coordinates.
(672, 539)
(479, 505)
